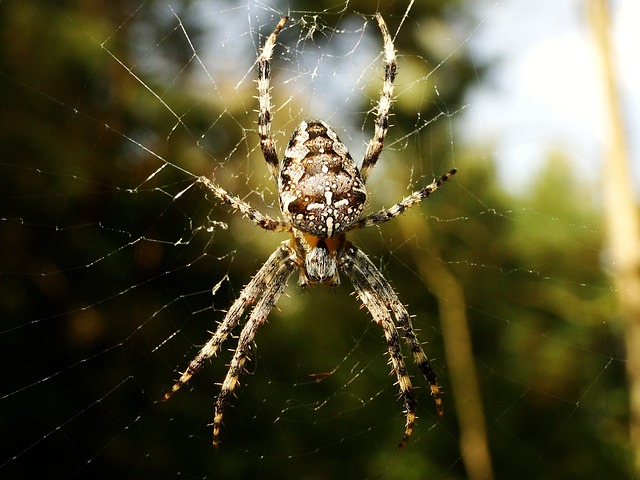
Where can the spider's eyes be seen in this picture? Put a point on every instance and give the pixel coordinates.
(321, 266)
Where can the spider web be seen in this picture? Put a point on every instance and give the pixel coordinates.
(115, 267)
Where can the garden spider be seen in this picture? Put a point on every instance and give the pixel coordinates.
(322, 197)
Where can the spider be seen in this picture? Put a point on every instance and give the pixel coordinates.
(322, 197)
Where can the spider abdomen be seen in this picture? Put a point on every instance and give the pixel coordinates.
(321, 189)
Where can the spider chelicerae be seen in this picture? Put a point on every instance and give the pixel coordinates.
(322, 197)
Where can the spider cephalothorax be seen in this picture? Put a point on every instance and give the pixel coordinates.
(322, 197)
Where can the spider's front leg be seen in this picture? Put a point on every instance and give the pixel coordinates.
(374, 148)
(267, 144)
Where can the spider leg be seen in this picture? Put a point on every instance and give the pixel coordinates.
(269, 273)
(254, 215)
(420, 358)
(269, 290)
(387, 214)
(378, 296)
(374, 148)
(267, 144)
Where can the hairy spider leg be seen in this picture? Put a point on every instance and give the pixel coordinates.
(280, 267)
(370, 278)
(267, 144)
(374, 148)
(247, 210)
(365, 278)
(399, 208)
(252, 293)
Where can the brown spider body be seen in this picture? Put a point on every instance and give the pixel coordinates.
(321, 190)
(322, 196)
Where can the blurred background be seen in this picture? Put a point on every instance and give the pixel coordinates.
(521, 273)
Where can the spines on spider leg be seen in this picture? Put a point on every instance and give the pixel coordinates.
(422, 361)
(240, 356)
(399, 366)
(428, 373)
(251, 213)
(419, 355)
(382, 317)
(408, 427)
(399, 208)
(381, 124)
(264, 98)
(231, 381)
(210, 349)
(268, 291)
(270, 272)
(231, 320)
(372, 290)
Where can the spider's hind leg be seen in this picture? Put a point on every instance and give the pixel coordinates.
(378, 296)
(265, 293)
(419, 356)
(251, 293)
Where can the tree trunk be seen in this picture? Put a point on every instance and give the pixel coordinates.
(621, 217)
